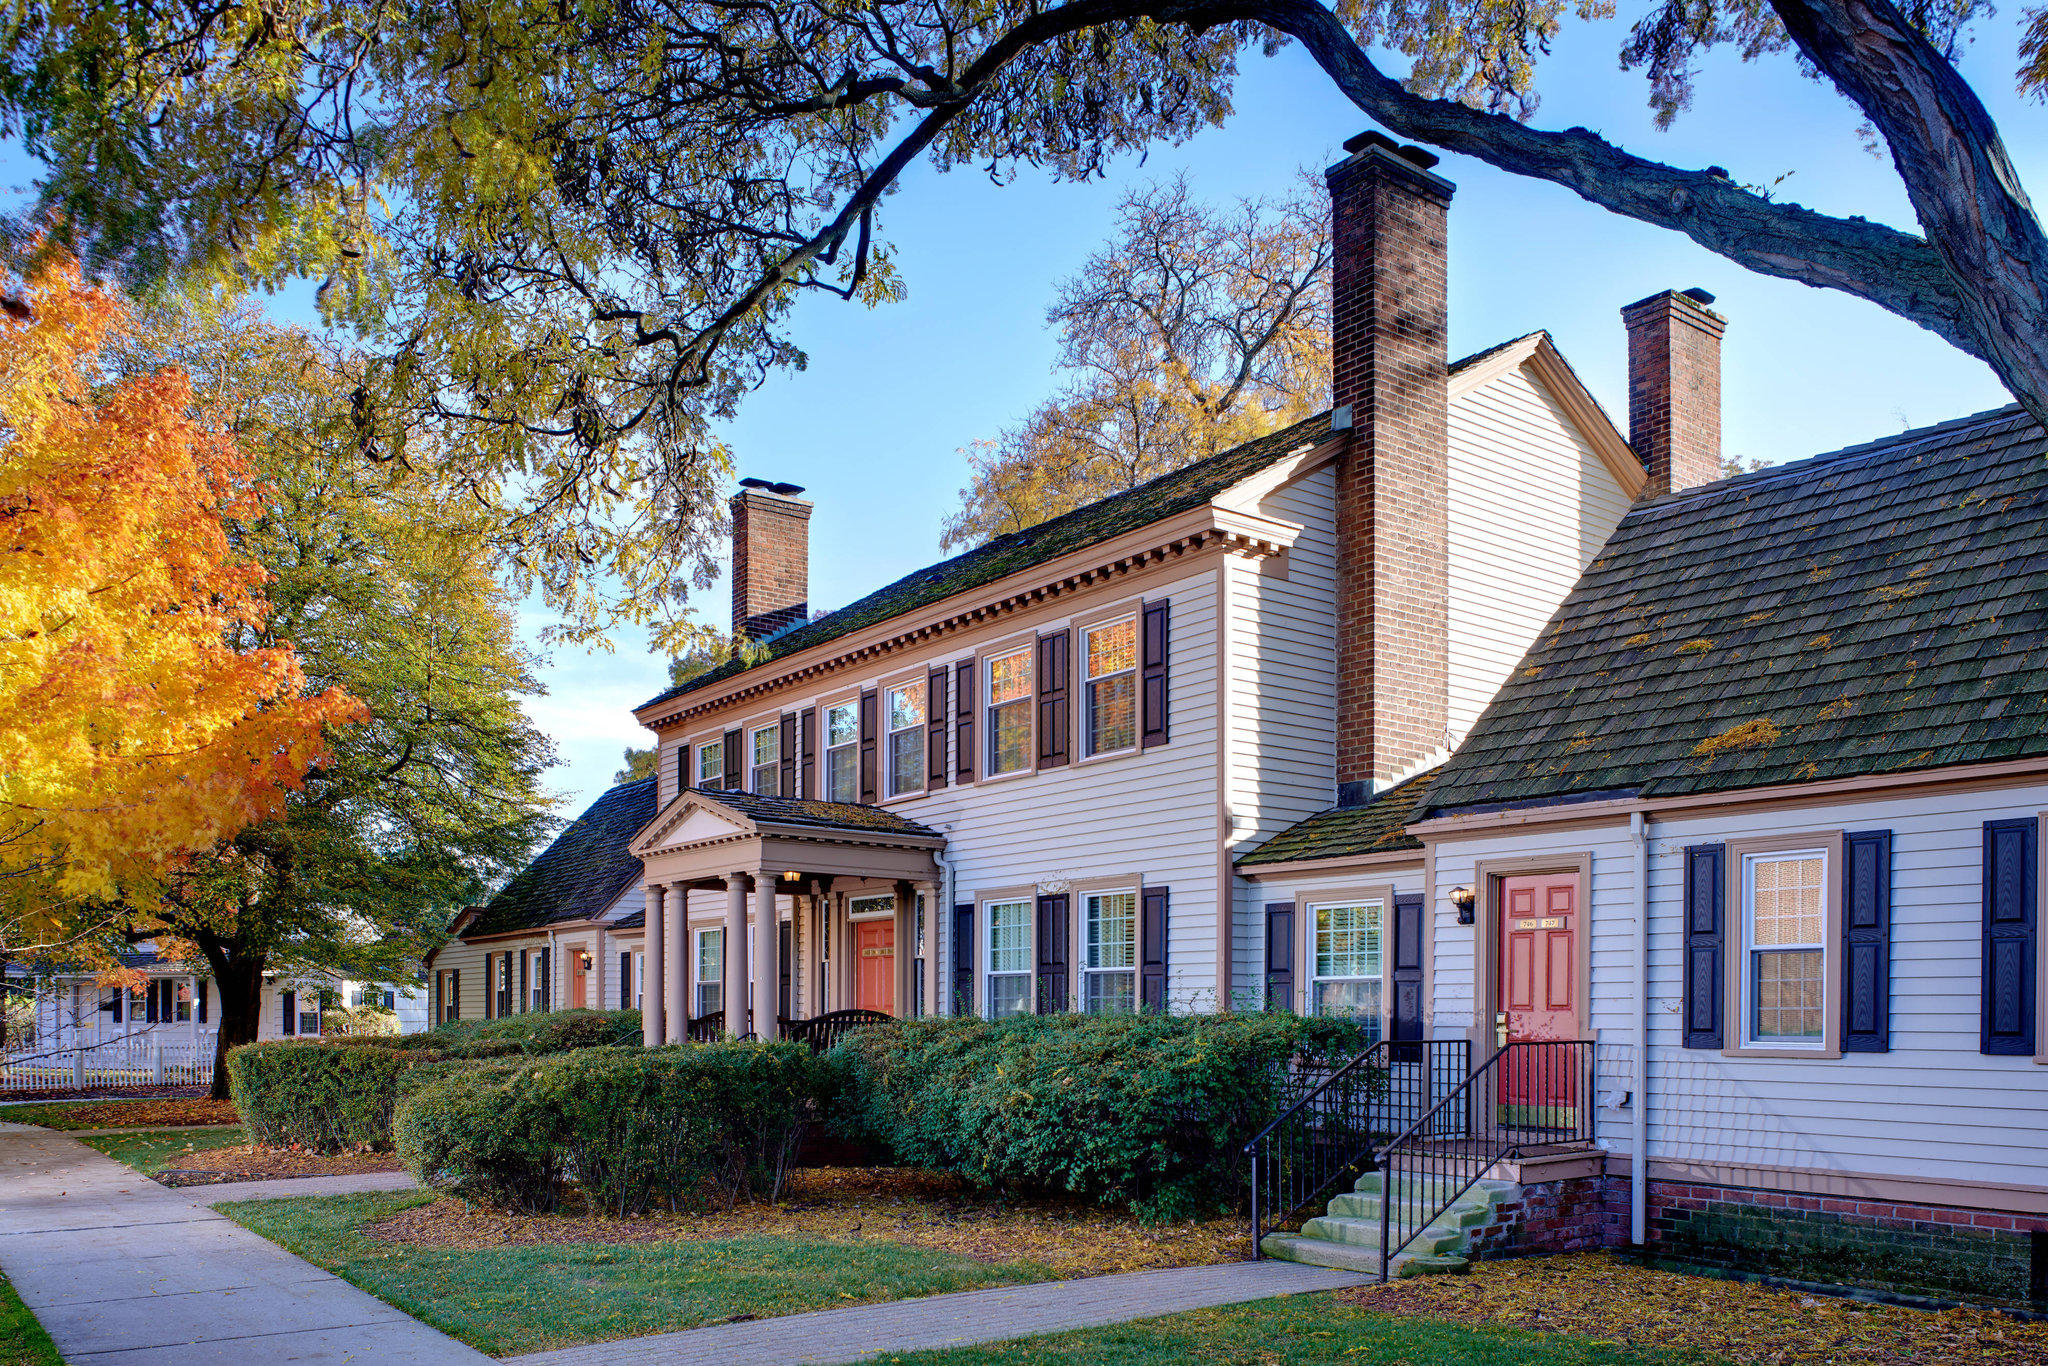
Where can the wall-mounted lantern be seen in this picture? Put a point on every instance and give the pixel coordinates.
(1464, 902)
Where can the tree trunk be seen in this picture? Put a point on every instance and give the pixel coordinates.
(240, 980)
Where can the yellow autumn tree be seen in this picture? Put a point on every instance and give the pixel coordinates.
(140, 720)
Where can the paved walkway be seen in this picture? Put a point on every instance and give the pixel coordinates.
(284, 1187)
(841, 1335)
(122, 1270)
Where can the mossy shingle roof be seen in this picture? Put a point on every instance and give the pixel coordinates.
(1873, 610)
(1375, 827)
(823, 815)
(581, 873)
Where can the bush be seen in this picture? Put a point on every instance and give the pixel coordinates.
(1152, 1111)
(550, 1031)
(636, 1128)
(328, 1097)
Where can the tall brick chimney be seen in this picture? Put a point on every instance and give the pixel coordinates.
(1674, 388)
(771, 558)
(1388, 283)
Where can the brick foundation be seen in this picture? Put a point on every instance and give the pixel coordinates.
(1579, 1215)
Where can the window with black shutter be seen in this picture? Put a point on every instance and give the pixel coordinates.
(1052, 953)
(963, 958)
(807, 775)
(1279, 955)
(1152, 925)
(787, 753)
(1866, 941)
(964, 703)
(870, 711)
(733, 760)
(1152, 688)
(2011, 918)
(1406, 1016)
(936, 722)
(1705, 938)
(1052, 699)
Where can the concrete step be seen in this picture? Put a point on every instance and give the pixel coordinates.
(1366, 1233)
(1293, 1247)
(1466, 1212)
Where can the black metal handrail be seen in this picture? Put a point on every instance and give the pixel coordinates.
(705, 1028)
(821, 1032)
(1329, 1133)
(1527, 1097)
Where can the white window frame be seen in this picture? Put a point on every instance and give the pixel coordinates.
(773, 730)
(698, 751)
(639, 982)
(1375, 925)
(1028, 703)
(1747, 1005)
(1089, 681)
(538, 965)
(849, 750)
(989, 974)
(1090, 973)
(700, 982)
(917, 730)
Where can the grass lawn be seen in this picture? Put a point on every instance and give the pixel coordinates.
(22, 1340)
(527, 1298)
(151, 1150)
(1299, 1330)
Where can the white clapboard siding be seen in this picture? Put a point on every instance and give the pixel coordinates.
(1531, 503)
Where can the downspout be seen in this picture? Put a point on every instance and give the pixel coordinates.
(1639, 1082)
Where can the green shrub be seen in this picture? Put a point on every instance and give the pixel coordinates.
(636, 1128)
(1152, 1111)
(328, 1097)
(548, 1031)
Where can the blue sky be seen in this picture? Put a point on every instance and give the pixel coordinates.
(874, 426)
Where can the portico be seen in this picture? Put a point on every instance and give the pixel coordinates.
(777, 903)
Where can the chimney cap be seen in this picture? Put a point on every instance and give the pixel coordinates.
(770, 486)
(1373, 137)
(1698, 296)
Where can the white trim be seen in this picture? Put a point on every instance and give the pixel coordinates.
(988, 955)
(1082, 971)
(1375, 926)
(1087, 682)
(1746, 1023)
(1028, 648)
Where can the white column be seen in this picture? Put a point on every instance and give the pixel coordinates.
(676, 966)
(930, 892)
(735, 991)
(652, 999)
(906, 949)
(767, 956)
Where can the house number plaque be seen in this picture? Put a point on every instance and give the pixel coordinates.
(878, 953)
(1548, 922)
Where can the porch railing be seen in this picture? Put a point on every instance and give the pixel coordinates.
(1336, 1118)
(821, 1032)
(1526, 1099)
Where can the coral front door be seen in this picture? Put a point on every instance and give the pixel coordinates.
(579, 981)
(874, 946)
(1539, 997)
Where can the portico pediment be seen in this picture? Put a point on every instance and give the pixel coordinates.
(691, 820)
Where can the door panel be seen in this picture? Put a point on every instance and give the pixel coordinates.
(1539, 995)
(874, 944)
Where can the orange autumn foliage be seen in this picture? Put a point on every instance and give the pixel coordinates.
(139, 721)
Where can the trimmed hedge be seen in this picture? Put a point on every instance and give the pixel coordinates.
(1152, 1111)
(550, 1031)
(673, 1127)
(328, 1097)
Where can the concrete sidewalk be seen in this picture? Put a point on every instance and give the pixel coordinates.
(122, 1270)
(842, 1335)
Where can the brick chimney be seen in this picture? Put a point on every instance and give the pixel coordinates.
(771, 558)
(1388, 382)
(1674, 388)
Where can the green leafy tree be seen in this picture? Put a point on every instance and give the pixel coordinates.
(572, 235)
(645, 763)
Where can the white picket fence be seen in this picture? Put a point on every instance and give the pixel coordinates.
(145, 1059)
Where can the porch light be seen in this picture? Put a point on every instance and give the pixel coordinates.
(789, 875)
(1463, 900)
(584, 960)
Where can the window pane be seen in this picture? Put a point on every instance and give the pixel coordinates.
(1359, 999)
(842, 724)
(1009, 936)
(1112, 930)
(711, 764)
(906, 761)
(1008, 995)
(842, 774)
(768, 781)
(1785, 902)
(767, 745)
(1348, 941)
(711, 955)
(1009, 677)
(906, 706)
(1009, 738)
(1109, 993)
(1787, 989)
(1113, 648)
(1113, 714)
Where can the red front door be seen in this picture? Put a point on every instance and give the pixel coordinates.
(874, 944)
(579, 981)
(1539, 975)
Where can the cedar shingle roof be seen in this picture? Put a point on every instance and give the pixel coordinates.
(581, 873)
(1376, 827)
(1873, 610)
(822, 815)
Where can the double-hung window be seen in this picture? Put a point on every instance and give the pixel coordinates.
(504, 985)
(1109, 960)
(1109, 701)
(1009, 712)
(711, 764)
(1784, 918)
(1009, 957)
(640, 980)
(537, 979)
(764, 756)
(710, 971)
(904, 711)
(1348, 943)
(842, 752)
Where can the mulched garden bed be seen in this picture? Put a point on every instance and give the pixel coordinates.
(1610, 1299)
(250, 1163)
(168, 1113)
(97, 1093)
(854, 1204)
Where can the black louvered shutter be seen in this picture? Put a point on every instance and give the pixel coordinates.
(1152, 689)
(963, 958)
(786, 750)
(1153, 906)
(870, 710)
(2010, 916)
(1705, 938)
(149, 999)
(626, 980)
(683, 779)
(807, 778)
(1866, 941)
(199, 989)
(1279, 955)
(288, 1007)
(1052, 954)
(1406, 1022)
(525, 983)
(1052, 699)
(120, 997)
(547, 979)
(733, 756)
(964, 701)
(936, 721)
